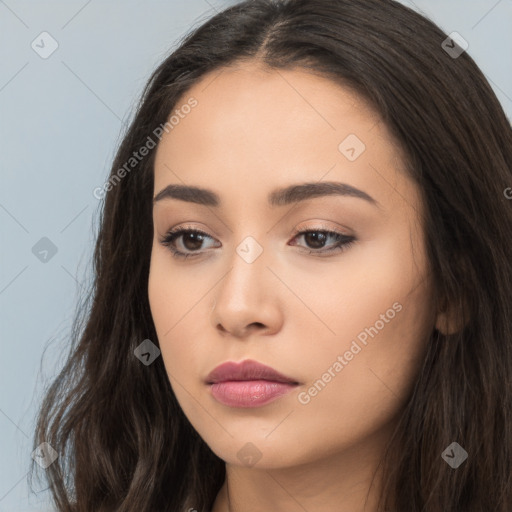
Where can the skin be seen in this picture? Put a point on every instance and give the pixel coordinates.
(254, 130)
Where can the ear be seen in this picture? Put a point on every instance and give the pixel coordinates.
(451, 317)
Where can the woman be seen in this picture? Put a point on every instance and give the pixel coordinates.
(302, 291)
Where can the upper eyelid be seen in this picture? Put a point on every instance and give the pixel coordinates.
(176, 233)
(318, 225)
(180, 230)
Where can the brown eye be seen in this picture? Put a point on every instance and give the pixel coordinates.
(317, 239)
(186, 243)
(192, 240)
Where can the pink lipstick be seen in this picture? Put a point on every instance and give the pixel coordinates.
(248, 384)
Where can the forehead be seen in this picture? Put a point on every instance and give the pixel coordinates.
(254, 129)
(271, 109)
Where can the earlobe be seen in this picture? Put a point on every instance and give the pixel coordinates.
(453, 312)
(450, 319)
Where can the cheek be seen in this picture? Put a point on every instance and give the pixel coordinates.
(338, 408)
(382, 324)
(171, 292)
(178, 311)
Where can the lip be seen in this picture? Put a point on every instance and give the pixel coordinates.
(248, 384)
(246, 370)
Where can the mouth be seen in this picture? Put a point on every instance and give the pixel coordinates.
(248, 384)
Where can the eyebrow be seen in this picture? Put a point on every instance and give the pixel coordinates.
(279, 197)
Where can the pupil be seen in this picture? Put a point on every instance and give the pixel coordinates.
(196, 237)
(314, 238)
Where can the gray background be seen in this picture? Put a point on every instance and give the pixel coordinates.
(60, 121)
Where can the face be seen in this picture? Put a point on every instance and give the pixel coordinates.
(327, 288)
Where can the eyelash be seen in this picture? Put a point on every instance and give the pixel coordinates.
(343, 243)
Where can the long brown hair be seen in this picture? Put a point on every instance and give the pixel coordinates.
(124, 443)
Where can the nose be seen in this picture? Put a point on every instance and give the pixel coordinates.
(247, 301)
